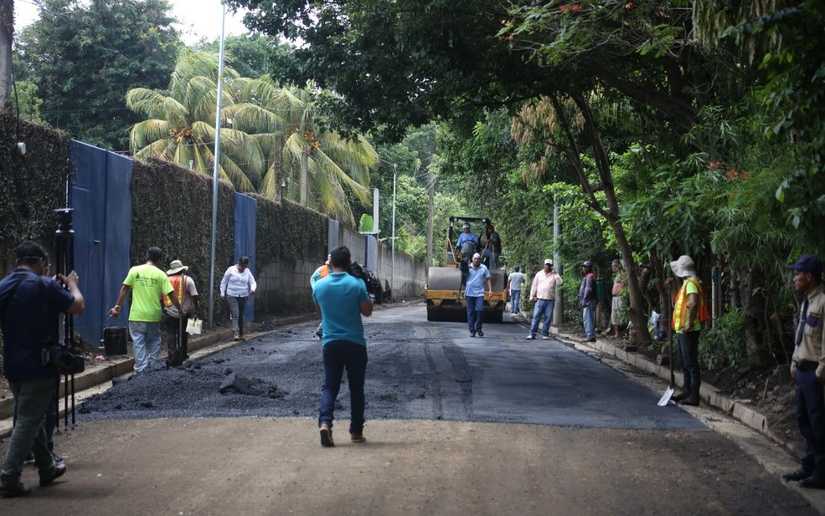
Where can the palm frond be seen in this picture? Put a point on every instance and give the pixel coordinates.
(253, 119)
(156, 105)
(146, 132)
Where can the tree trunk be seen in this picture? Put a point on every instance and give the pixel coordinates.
(6, 34)
(304, 180)
(639, 335)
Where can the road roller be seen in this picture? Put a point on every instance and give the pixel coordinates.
(445, 287)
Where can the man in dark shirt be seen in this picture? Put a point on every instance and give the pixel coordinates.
(30, 305)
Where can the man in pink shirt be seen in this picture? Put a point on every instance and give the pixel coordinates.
(543, 292)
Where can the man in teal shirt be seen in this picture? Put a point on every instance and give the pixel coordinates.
(477, 277)
(343, 299)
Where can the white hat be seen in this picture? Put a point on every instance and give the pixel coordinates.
(548, 261)
(176, 266)
(683, 267)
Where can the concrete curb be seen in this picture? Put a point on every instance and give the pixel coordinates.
(709, 394)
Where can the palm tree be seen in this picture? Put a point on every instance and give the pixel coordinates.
(180, 122)
(268, 134)
(283, 121)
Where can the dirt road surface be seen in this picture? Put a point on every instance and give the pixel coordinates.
(456, 425)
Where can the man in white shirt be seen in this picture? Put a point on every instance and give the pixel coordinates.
(237, 285)
(543, 292)
(514, 286)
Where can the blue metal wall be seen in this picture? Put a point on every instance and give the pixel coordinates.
(101, 198)
(245, 224)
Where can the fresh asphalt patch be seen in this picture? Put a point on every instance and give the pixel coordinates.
(416, 370)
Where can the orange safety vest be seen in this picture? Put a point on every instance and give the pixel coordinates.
(178, 287)
(681, 302)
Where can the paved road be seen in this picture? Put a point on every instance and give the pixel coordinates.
(596, 442)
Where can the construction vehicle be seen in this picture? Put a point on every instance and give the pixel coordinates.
(445, 290)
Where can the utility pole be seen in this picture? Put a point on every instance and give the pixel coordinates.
(392, 274)
(557, 307)
(215, 174)
(430, 225)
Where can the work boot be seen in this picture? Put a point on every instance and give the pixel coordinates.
(12, 487)
(54, 474)
(692, 400)
(326, 436)
(679, 397)
(358, 437)
(813, 482)
(795, 476)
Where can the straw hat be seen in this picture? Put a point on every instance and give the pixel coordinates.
(176, 266)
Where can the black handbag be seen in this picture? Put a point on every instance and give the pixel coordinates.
(63, 359)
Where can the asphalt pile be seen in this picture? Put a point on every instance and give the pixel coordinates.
(277, 375)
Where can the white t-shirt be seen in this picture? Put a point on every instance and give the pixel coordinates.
(516, 280)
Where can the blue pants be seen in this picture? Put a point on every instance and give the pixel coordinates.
(146, 345)
(340, 355)
(542, 311)
(589, 319)
(475, 311)
(810, 413)
(515, 300)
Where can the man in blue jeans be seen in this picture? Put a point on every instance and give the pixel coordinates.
(588, 301)
(477, 277)
(343, 299)
(543, 292)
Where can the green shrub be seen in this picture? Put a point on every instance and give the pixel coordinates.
(724, 344)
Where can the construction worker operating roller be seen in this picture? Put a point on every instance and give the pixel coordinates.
(445, 292)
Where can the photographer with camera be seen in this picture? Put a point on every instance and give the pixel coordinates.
(343, 299)
(30, 306)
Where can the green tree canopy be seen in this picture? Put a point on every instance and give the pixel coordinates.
(85, 56)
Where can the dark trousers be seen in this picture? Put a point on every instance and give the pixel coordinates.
(810, 413)
(340, 355)
(33, 399)
(689, 353)
(176, 339)
(475, 312)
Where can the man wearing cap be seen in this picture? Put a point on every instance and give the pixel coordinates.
(30, 305)
(588, 300)
(689, 312)
(466, 245)
(477, 278)
(808, 371)
(184, 287)
(543, 292)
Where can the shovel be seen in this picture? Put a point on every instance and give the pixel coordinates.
(668, 394)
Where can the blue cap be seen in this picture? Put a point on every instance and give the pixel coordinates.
(807, 263)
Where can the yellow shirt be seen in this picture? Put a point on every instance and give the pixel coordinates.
(690, 286)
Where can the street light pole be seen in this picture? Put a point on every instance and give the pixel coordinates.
(215, 174)
(558, 310)
(392, 274)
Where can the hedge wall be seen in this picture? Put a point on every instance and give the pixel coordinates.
(291, 242)
(172, 209)
(31, 186)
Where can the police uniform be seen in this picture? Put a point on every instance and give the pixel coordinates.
(808, 370)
